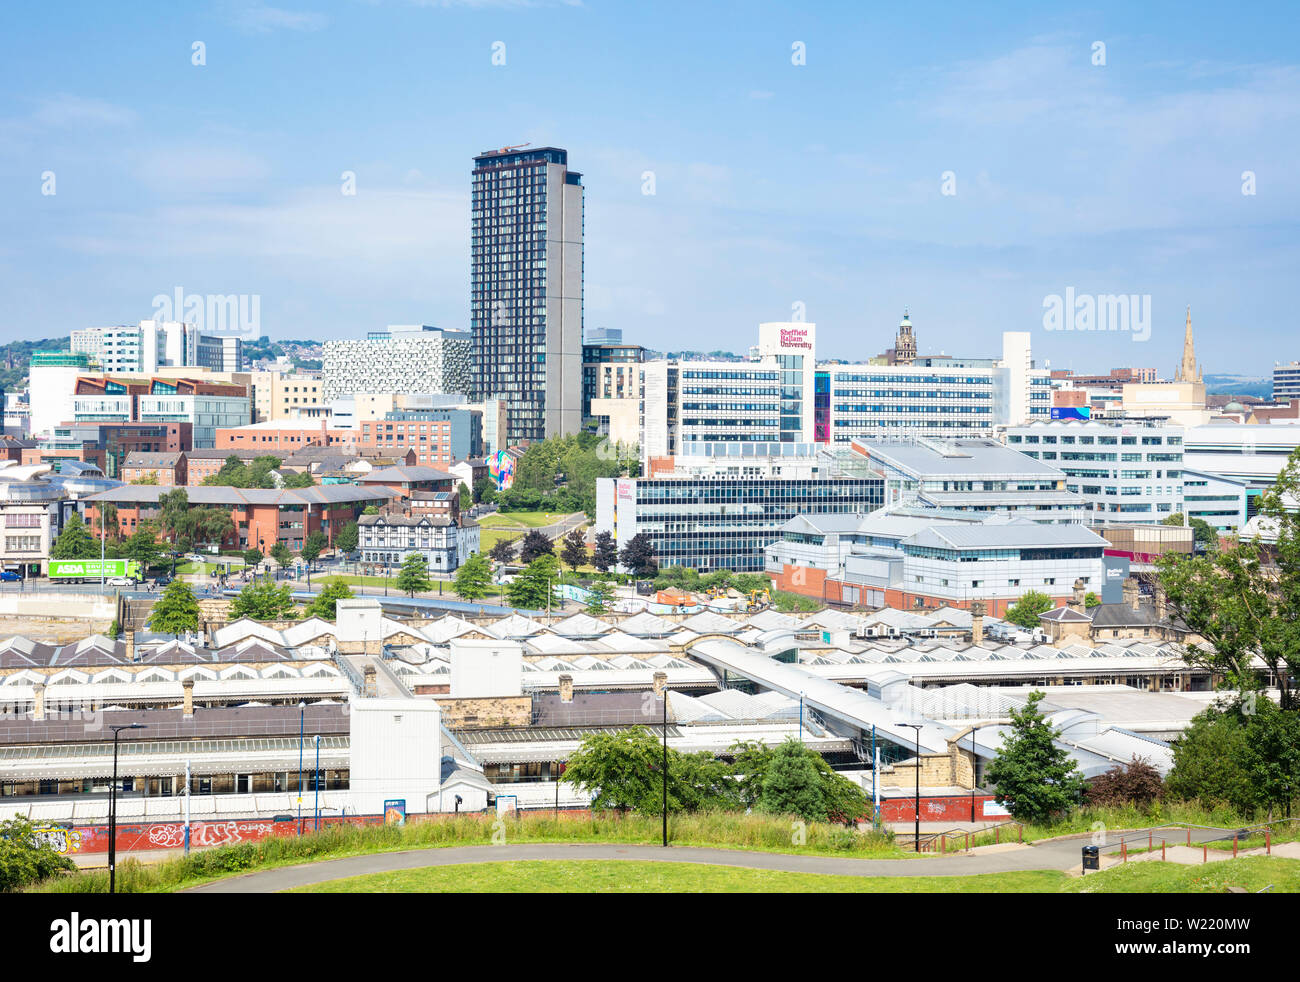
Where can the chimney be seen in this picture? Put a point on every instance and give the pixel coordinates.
(130, 646)
(1080, 595)
(566, 688)
(977, 622)
(1162, 602)
(38, 709)
(1132, 595)
(188, 708)
(368, 687)
(660, 683)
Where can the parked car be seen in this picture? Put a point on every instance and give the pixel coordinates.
(9, 576)
(162, 580)
(120, 581)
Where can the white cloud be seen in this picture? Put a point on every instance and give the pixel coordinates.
(258, 18)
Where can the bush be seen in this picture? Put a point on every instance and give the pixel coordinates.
(1136, 783)
(25, 858)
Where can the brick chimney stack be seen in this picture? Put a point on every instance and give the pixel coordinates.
(566, 688)
(187, 708)
(977, 622)
(1132, 594)
(660, 683)
(38, 708)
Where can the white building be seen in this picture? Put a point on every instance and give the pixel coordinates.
(979, 476)
(403, 358)
(1128, 471)
(143, 348)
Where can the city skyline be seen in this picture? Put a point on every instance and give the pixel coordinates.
(1071, 177)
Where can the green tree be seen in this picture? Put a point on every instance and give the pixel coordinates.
(150, 478)
(1035, 778)
(638, 556)
(791, 784)
(300, 479)
(573, 549)
(534, 584)
(176, 611)
(624, 771)
(253, 556)
(324, 603)
(26, 857)
(413, 577)
(281, 554)
(263, 600)
(474, 578)
(466, 497)
(605, 556)
(1202, 531)
(349, 538)
(1244, 601)
(143, 546)
(1209, 758)
(600, 598)
(1025, 611)
(485, 491)
(371, 510)
(1272, 757)
(313, 546)
(74, 542)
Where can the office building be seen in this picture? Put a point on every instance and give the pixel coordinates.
(144, 348)
(438, 436)
(280, 394)
(610, 370)
(782, 394)
(1286, 381)
(1128, 471)
(975, 476)
(207, 406)
(402, 358)
(526, 277)
(910, 558)
(725, 503)
(1221, 502)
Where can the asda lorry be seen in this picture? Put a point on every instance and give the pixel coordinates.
(92, 570)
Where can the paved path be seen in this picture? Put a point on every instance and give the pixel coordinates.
(1057, 854)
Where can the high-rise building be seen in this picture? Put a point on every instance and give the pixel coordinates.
(526, 233)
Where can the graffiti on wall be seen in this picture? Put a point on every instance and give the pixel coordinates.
(61, 839)
(202, 834)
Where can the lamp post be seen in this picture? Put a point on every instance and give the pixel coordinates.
(972, 772)
(112, 808)
(916, 844)
(316, 781)
(101, 545)
(664, 696)
(302, 710)
(801, 715)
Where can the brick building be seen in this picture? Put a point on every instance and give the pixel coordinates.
(261, 517)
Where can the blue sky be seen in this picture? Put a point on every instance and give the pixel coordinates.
(775, 183)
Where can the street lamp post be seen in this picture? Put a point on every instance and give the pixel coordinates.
(916, 844)
(112, 809)
(972, 772)
(664, 695)
(316, 781)
(302, 710)
(801, 715)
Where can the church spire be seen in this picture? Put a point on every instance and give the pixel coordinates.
(1187, 371)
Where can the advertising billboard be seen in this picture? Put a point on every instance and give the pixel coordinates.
(85, 569)
(1071, 412)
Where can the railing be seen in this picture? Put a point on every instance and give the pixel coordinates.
(1239, 837)
(349, 672)
(963, 840)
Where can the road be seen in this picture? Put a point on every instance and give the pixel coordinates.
(1056, 854)
(553, 531)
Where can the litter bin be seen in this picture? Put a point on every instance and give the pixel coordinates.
(1091, 858)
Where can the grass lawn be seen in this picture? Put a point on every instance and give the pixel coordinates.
(519, 519)
(629, 876)
(1252, 872)
(488, 537)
